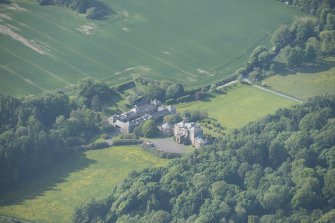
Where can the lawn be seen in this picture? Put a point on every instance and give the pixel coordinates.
(194, 42)
(308, 81)
(240, 105)
(78, 179)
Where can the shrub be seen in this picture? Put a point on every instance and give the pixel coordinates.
(172, 119)
(196, 115)
(149, 128)
(97, 145)
(104, 136)
(118, 142)
(128, 136)
(170, 101)
(174, 91)
(185, 98)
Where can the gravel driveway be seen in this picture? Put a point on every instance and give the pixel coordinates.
(169, 145)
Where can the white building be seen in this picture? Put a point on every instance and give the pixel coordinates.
(188, 132)
(127, 121)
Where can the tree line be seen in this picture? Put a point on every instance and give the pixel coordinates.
(37, 132)
(278, 169)
(148, 89)
(306, 39)
(94, 9)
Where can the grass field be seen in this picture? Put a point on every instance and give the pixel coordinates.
(240, 105)
(308, 81)
(53, 197)
(193, 41)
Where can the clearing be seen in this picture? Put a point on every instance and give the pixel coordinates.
(240, 105)
(194, 42)
(308, 81)
(80, 178)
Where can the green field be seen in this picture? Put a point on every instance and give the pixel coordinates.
(239, 106)
(53, 197)
(308, 81)
(192, 41)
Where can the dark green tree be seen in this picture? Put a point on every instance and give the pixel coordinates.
(329, 187)
(281, 37)
(327, 39)
(292, 57)
(154, 92)
(276, 197)
(172, 119)
(89, 88)
(149, 128)
(310, 54)
(175, 91)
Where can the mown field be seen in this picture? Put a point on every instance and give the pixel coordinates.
(308, 81)
(191, 41)
(239, 106)
(53, 197)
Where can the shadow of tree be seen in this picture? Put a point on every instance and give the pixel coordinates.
(47, 180)
(103, 10)
(207, 97)
(5, 2)
(320, 66)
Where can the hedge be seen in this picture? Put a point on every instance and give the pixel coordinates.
(118, 142)
(94, 146)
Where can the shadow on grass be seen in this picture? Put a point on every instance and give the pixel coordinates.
(5, 2)
(206, 97)
(318, 67)
(102, 10)
(47, 181)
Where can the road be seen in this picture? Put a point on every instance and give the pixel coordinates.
(278, 94)
(273, 92)
(228, 84)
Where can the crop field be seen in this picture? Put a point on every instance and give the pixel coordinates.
(308, 81)
(53, 197)
(241, 105)
(194, 42)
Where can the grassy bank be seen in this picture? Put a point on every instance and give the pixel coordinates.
(240, 105)
(307, 81)
(78, 179)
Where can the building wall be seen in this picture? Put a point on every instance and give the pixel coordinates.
(126, 125)
(184, 133)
